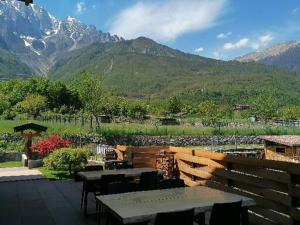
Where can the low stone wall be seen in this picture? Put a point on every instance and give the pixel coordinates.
(166, 141)
(10, 156)
(154, 140)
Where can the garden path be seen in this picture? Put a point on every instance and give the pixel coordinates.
(19, 174)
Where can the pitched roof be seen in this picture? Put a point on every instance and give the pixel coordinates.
(289, 140)
(30, 126)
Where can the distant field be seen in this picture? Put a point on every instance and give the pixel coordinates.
(151, 130)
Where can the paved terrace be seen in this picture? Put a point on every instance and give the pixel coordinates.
(43, 202)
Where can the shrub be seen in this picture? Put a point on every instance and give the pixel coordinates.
(67, 159)
(46, 146)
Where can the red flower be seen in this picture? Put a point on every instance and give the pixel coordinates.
(46, 146)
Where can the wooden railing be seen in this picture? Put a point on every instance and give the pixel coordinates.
(274, 185)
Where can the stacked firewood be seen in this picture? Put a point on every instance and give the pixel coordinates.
(165, 163)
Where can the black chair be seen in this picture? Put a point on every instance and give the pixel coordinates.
(102, 186)
(117, 188)
(171, 183)
(176, 218)
(223, 214)
(148, 181)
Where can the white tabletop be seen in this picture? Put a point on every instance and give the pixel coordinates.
(143, 206)
(96, 175)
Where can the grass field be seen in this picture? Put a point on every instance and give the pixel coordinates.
(151, 130)
(10, 164)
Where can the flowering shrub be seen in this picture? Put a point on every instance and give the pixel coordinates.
(52, 143)
(67, 159)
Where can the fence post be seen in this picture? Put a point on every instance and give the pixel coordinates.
(229, 181)
(193, 164)
(294, 180)
(91, 122)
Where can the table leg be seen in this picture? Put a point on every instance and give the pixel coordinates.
(82, 194)
(85, 202)
(245, 216)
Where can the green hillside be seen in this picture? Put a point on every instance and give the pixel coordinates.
(141, 68)
(11, 67)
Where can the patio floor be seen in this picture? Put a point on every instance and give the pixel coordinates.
(19, 173)
(43, 202)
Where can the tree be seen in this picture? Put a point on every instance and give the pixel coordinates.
(91, 93)
(174, 105)
(4, 104)
(33, 105)
(212, 114)
(290, 113)
(264, 106)
(137, 110)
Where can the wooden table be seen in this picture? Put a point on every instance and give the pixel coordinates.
(143, 206)
(89, 176)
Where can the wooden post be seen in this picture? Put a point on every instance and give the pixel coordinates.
(294, 201)
(229, 181)
(91, 122)
(193, 164)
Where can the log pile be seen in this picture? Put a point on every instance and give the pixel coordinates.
(165, 163)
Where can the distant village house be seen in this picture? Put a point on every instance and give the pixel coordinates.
(282, 148)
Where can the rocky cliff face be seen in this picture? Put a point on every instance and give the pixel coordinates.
(285, 56)
(37, 37)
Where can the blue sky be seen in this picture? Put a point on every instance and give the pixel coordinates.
(221, 29)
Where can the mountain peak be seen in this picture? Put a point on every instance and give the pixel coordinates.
(283, 55)
(35, 35)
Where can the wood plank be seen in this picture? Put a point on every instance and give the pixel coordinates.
(270, 174)
(261, 201)
(251, 180)
(295, 214)
(255, 219)
(285, 166)
(194, 171)
(295, 191)
(281, 218)
(198, 160)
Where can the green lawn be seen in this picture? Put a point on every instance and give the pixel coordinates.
(55, 175)
(124, 129)
(10, 164)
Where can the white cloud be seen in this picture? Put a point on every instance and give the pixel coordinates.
(218, 55)
(80, 7)
(257, 43)
(262, 41)
(167, 20)
(224, 35)
(240, 44)
(198, 50)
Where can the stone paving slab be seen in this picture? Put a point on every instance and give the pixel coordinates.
(43, 202)
(19, 174)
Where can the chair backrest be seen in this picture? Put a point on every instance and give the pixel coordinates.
(93, 167)
(175, 218)
(148, 181)
(226, 213)
(106, 179)
(117, 188)
(171, 183)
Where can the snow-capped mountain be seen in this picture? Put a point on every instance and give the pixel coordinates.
(284, 55)
(37, 37)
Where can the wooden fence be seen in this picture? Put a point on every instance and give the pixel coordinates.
(274, 185)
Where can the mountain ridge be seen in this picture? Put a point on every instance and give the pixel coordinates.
(284, 55)
(34, 35)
